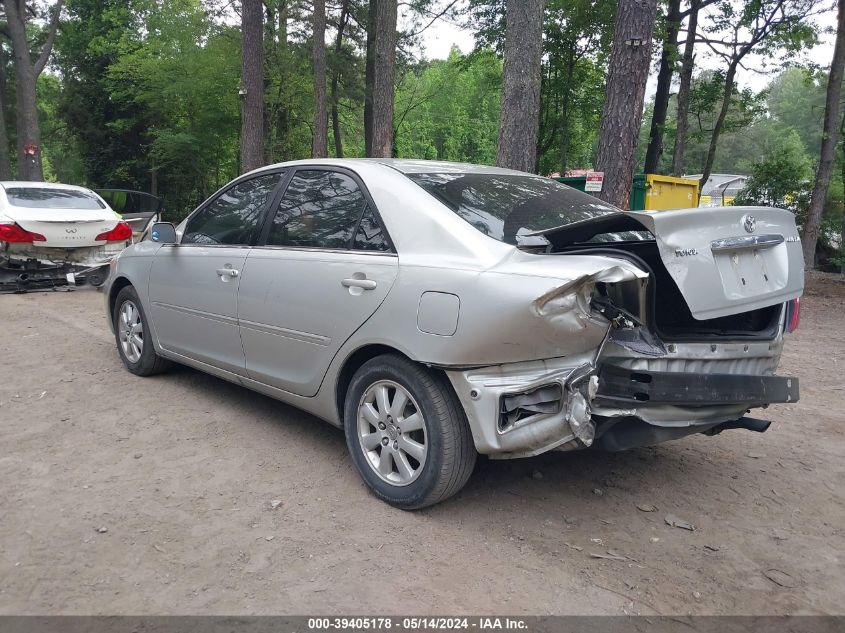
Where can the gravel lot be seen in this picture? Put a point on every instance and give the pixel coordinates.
(125, 495)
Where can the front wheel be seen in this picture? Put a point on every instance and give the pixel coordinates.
(131, 331)
(407, 433)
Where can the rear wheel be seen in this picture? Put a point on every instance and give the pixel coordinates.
(131, 332)
(98, 277)
(407, 433)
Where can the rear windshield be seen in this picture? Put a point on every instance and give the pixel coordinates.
(509, 208)
(52, 198)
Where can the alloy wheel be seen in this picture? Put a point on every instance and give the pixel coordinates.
(130, 330)
(391, 432)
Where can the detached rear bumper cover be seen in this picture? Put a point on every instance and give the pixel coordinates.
(662, 405)
(620, 386)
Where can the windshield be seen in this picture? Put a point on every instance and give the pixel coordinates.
(49, 198)
(509, 208)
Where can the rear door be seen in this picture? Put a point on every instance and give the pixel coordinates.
(194, 284)
(323, 267)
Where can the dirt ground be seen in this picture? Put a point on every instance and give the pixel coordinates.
(126, 495)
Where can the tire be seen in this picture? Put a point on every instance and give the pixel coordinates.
(433, 418)
(146, 362)
(96, 279)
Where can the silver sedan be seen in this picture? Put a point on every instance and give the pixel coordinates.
(435, 311)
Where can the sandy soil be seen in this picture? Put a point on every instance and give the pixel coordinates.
(126, 495)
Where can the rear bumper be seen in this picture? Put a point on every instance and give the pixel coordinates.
(624, 387)
(28, 267)
(32, 255)
(625, 407)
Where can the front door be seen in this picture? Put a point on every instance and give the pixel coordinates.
(194, 284)
(325, 266)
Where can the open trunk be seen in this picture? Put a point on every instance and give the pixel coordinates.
(723, 271)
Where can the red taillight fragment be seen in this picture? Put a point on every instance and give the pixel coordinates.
(121, 233)
(15, 233)
(793, 315)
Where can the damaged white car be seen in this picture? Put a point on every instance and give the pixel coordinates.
(435, 311)
(55, 234)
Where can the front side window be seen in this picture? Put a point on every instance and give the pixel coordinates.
(233, 217)
(510, 207)
(320, 209)
(50, 198)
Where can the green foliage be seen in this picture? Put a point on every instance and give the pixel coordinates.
(783, 178)
(576, 46)
(61, 156)
(449, 109)
(796, 98)
(183, 76)
(150, 92)
(145, 93)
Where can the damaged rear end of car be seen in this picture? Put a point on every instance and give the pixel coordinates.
(55, 235)
(692, 306)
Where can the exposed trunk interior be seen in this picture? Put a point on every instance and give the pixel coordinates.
(666, 312)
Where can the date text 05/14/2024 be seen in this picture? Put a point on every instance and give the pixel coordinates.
(416, 623)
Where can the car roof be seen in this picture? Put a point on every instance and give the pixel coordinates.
(412, 166)
(405, 166)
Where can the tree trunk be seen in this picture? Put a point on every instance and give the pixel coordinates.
(830, 135)
(842, 234)
(384, 68)
(252, 85)
(519, 122)
(5, 159)
(29, 132)
(282, 115)
(26, 75)
(369, 77)
(720, 122)
(338, 48)
(319, 145)
(664, 84)
(684, 91)
(564, 110)
(623, 104)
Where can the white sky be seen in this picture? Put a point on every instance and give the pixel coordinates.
(443, 34)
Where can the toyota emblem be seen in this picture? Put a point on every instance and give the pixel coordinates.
(749, 223)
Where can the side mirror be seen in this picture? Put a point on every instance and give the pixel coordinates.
(163, 233)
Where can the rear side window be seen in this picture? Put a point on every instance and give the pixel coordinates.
(369, 236)
(323, 209)
(234, 216)
(50, 198)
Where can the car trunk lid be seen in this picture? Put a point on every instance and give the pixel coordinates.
(67, 228)
(724, 260)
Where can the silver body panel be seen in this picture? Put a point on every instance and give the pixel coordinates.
(195, 310)
(496, 319)
(295, 314)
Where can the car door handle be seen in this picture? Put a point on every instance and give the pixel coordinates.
(228, 272)
(364, 284)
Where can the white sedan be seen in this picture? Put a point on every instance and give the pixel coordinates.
(53, 234)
